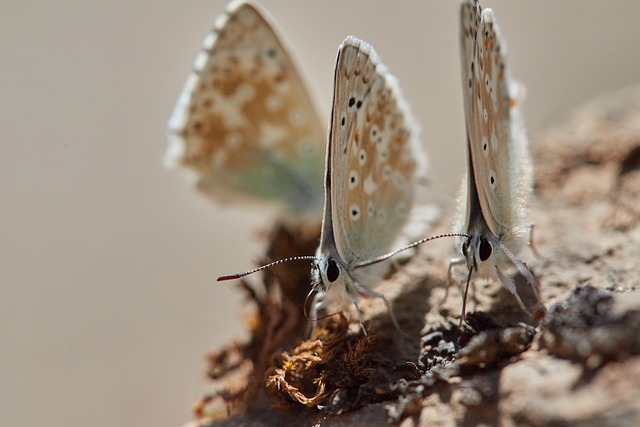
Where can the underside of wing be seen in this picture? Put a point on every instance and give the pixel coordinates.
(375, 154)
(497, 152)
(469, 22)
(244, 121)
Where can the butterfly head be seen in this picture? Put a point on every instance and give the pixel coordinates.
(477, 249)
(327, 269)
(332, 285)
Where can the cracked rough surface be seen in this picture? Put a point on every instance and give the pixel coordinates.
(577, 365)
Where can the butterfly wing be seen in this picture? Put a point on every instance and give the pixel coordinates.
(245, 122)
(469, 22)
(374, 155)
(497, 145)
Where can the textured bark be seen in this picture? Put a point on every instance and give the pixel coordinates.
(578, 364)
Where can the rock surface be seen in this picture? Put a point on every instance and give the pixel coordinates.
(578, 364)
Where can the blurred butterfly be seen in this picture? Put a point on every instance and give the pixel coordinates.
(493, 207)
(373, 158)
(245, 123)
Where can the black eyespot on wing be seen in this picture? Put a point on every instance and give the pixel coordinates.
(333, 271)
(355, 213)
(485, 250)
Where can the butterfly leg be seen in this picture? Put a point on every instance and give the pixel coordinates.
(532, 280)
(458, 261)
(452, 262)
(512, 288)
(463, 315)
(317, 303)
(354, 300)
(531, 241)
(474, 294)
(372, 293)
(539, 308)
(523, 268)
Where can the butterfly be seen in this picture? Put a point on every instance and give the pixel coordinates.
(493, 203)
(245, 123)
(373, 158)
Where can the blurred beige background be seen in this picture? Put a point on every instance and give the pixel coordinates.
(108, 299)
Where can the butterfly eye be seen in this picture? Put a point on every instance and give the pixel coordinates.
(333, 271)
(485, 249)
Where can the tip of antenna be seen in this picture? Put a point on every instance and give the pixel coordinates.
(255, 270)
(229, 277)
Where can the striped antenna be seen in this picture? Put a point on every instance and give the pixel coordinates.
(246, 273)
(409, 246)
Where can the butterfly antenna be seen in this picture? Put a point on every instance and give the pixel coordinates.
(246, 273)
(409, 246)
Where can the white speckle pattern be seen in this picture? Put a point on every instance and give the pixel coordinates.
(386, 173)
(381, 215)
(273, 103)
(232, 140)
(399, 181)
(369, 186)
(245, 92)
(244, 122)
(219, 159)
(297, 118)
(371, 210)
